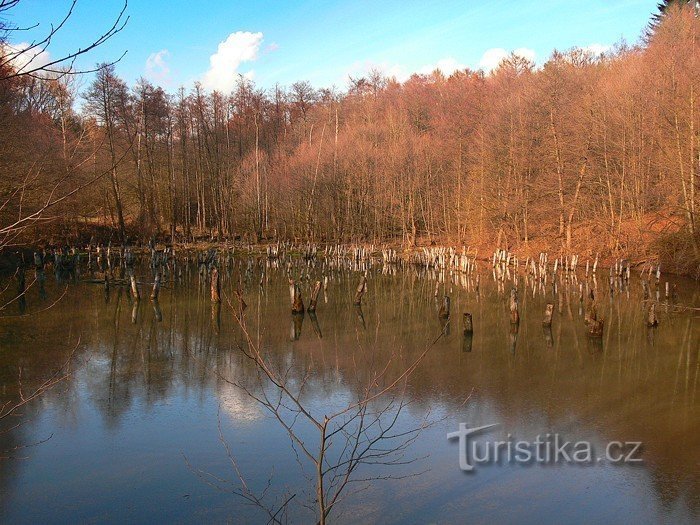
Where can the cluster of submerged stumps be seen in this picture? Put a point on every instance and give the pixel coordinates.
(505, 266)
(117, 268)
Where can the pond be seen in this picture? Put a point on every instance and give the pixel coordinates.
(155, 422)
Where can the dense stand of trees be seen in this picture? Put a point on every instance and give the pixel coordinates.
(583, 153)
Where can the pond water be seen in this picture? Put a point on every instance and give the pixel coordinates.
(139, 431)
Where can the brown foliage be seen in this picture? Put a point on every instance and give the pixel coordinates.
(582, 154)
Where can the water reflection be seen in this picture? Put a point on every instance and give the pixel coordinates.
(151, 387)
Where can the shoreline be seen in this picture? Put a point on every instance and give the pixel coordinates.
(10, 259)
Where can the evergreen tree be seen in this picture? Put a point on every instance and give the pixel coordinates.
(664, 7)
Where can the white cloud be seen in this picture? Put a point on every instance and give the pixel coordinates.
(239, 47)
(526, 53)
(23, 59)
(447, 65)
(493, 57)
(396, 71)
(157, 68)
(597, 49)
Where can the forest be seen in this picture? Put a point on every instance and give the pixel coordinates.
(584, 154)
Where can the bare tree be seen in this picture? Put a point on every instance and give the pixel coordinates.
(365, 432)
(22, 61)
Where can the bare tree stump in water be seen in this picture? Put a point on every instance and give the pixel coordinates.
(595, 328)
(361, 289)
(134, 287)
(297, 322)
(547, 332)
(467, 341)
(314, 296)
(216, 317)
(215, 286)
(21, 281)
(591, 311)
(156, 287)
(513, 337)
(514, 315)
(314, 324)
(297, 301)
(360, 316)
(595, 325)
(549, 309)
(652, 319)
(467, 325)
(157, 313)
(444, 312)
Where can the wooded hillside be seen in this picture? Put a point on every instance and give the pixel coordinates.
(586, 152)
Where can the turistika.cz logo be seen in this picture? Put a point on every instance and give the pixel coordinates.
(548, 449)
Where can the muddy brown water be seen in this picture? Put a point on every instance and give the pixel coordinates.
(132, 435)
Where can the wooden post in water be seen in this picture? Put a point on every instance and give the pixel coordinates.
(314, 296)
(549, 309)
(156, 287)
(360, 316)
(467, 332)
(215, 286)
(21, 281)
(134, 287)
(595, 328)
(444, 312)
(297, 322)
(652, 319)
(361, 289)
(514, 315)
(297, 301)
(467, 325)
(314, 324)
(591, 313)
(595, 325)
(157, 313)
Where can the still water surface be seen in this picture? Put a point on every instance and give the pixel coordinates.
(133, 434)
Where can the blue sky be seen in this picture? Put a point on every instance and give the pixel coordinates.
(176, 42)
